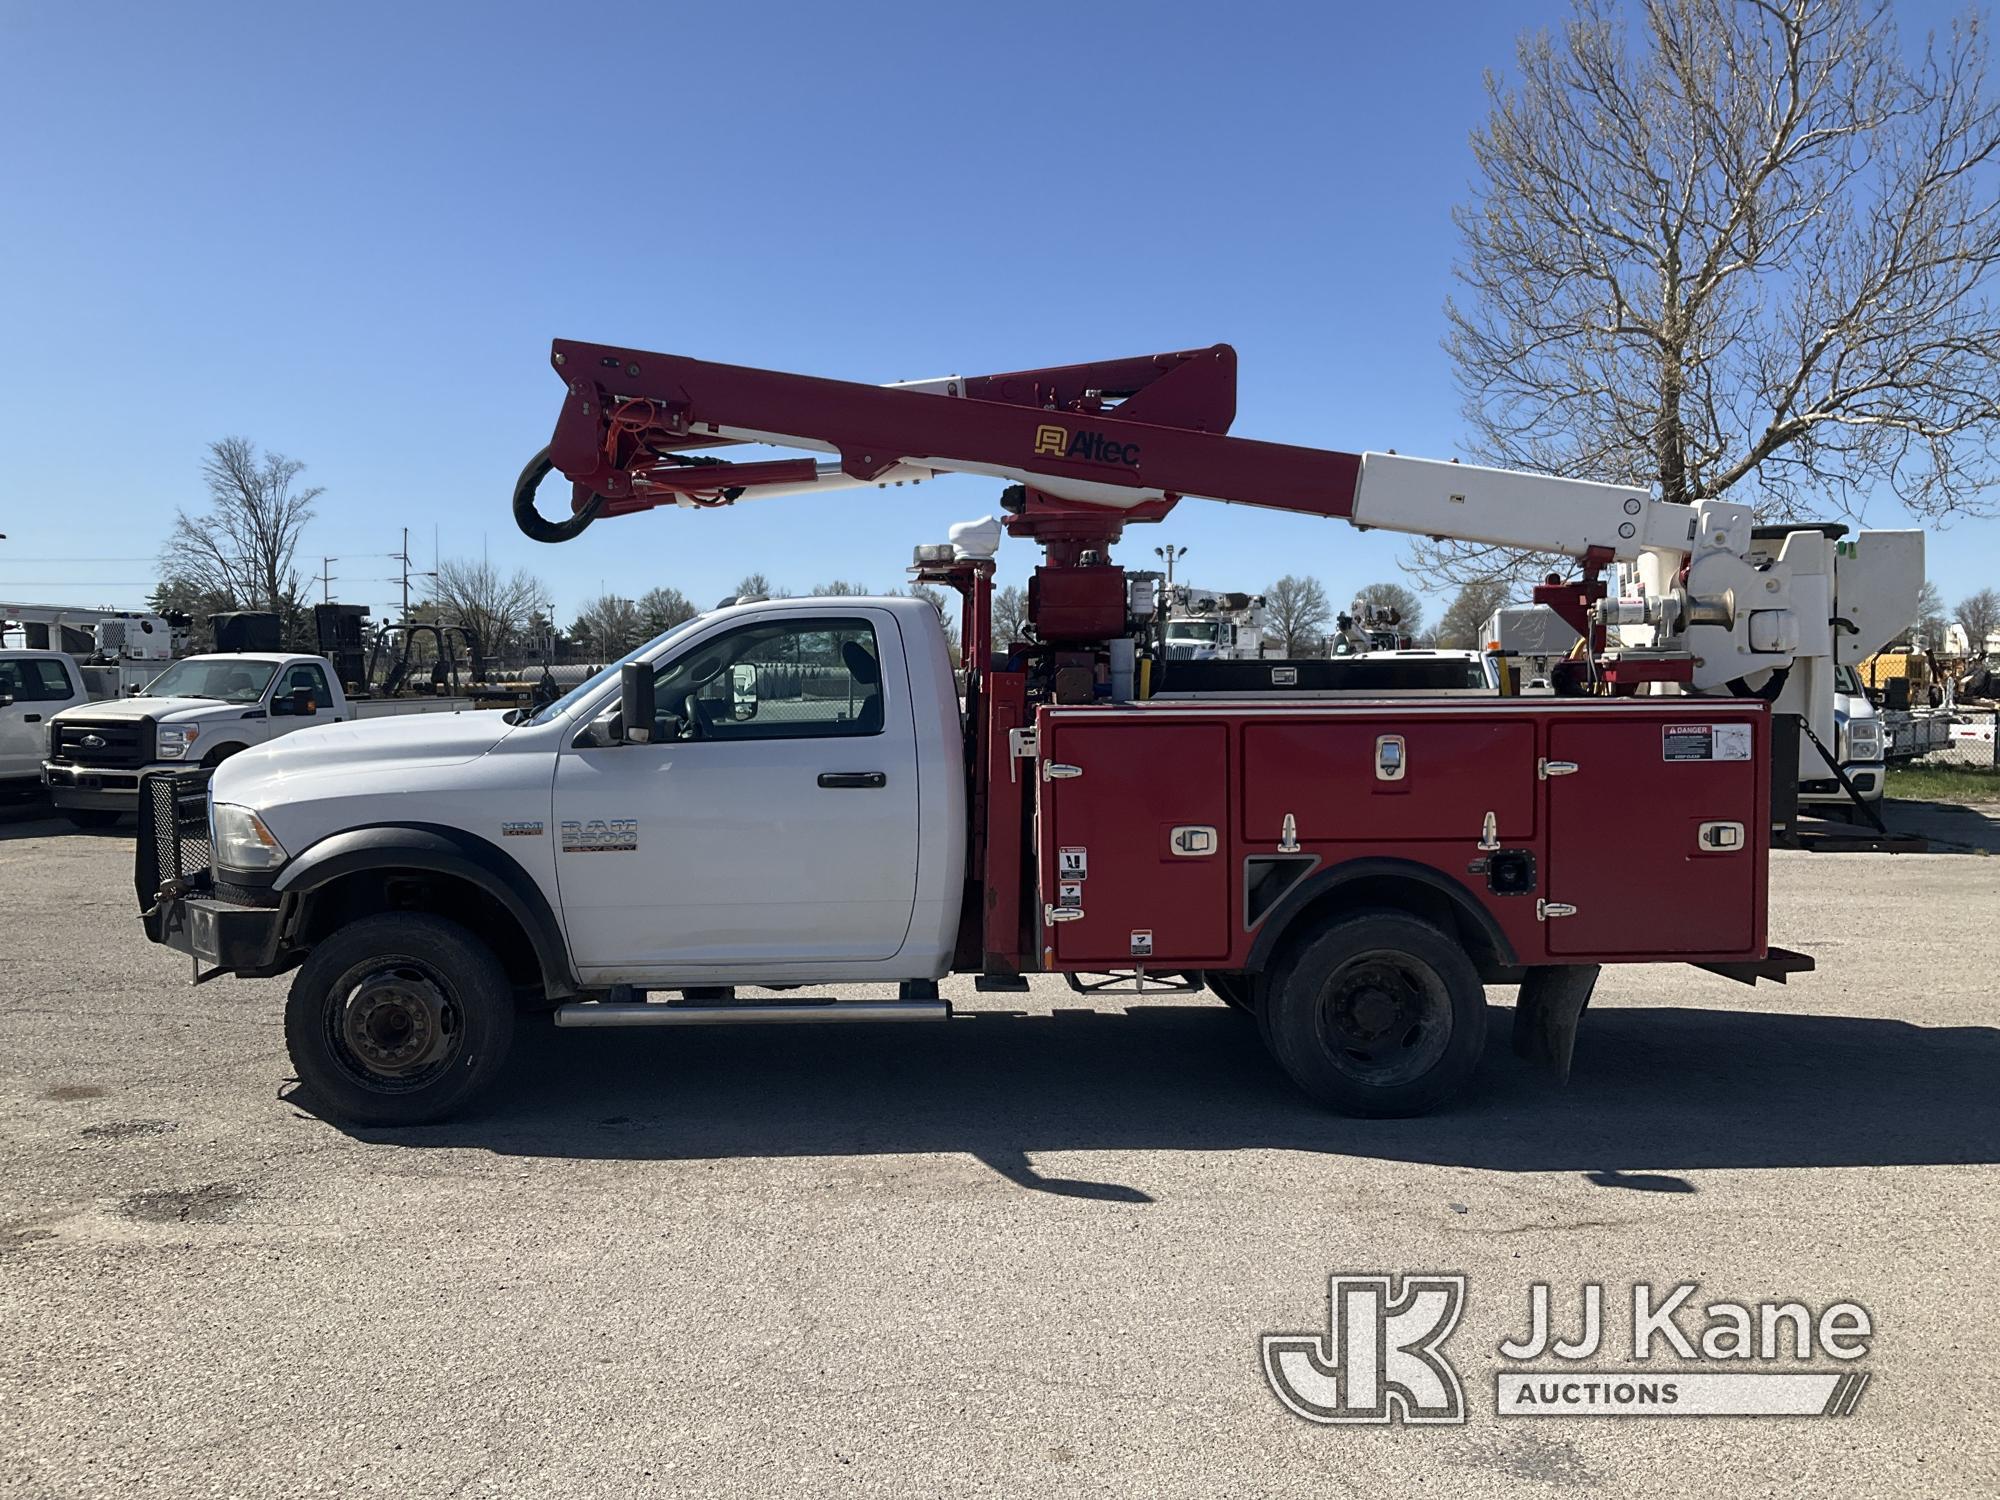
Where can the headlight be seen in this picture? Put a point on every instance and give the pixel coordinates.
(242, 842)
(177, 739)
(1863, 741)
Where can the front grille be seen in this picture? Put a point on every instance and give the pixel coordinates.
(105, 742)
(172, 848)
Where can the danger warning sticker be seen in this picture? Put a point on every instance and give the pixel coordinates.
(1705, 742)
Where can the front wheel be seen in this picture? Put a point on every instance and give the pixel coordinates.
(1377, 1013)
(399, 1019)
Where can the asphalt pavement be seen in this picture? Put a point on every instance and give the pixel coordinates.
(1029, 1251)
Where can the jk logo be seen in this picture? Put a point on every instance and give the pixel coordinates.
(1380, 1358)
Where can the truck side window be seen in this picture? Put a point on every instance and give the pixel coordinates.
(807, 678)
(35, 680)
(304, 675)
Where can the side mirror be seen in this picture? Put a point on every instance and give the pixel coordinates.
(303, 703)
(742, 692)
(636, 714)
(6, 700)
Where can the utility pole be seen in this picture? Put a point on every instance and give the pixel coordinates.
(1170, 553)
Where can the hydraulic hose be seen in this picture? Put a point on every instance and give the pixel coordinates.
(532, 522)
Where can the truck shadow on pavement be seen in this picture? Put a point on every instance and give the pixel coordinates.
(1656, 1093)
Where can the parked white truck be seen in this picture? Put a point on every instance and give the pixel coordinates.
(1207, 625)
(199, 712)
(34, 687)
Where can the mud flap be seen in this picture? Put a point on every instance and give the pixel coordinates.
(1547, 1011)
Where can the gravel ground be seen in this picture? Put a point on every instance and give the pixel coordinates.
(1026, 1252)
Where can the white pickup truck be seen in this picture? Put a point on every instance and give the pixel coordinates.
(198, 712)
(34, 687)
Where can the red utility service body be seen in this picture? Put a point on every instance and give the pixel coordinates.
(1653, 779)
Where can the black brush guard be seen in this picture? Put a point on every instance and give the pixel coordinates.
(173, 859)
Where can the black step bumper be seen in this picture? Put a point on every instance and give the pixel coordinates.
(219, 934)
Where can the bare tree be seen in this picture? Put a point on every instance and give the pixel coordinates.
(608, 627)
(1932, 620)
(1743, 249)
(1465, 618)
(663, 608)
(1409, 608)
(242, 547)
(947, 613)
(1979, 618)
(472, 595)
(840, 588)
(756, 586)
(1299, 613)
(1010, 615)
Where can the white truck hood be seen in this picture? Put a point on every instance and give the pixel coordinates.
(435, 739)
(158, 708)
(369, 745)
(318, 781)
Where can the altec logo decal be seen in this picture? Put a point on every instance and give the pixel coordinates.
(1052, 441)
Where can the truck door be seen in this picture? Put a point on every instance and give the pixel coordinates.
(774, 818)
(31, 689)
(1657, 837)
(1133, 823)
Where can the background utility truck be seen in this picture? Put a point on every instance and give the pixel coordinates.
(198, 712)
(788, 793)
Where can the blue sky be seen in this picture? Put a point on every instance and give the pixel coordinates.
(349, 232)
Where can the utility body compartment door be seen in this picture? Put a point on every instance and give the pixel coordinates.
(1658, 838)
(1135, 842)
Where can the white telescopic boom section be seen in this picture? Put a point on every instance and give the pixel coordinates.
(1504, 508)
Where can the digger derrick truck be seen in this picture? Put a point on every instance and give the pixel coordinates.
(790, 793)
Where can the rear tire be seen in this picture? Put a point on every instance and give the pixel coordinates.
(91, 817)
(1378, 1013)
(399, 1019)
(1237, 991)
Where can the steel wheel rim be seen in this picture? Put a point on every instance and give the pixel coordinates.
(1384, 1018)
(394, 1025)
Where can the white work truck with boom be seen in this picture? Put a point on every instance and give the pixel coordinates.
(790, 793)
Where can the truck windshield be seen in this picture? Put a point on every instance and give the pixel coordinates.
(1847, 680)
(1191, 630)
(225, 679)
(570, 700)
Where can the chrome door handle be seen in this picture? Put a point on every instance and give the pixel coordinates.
(857, 780)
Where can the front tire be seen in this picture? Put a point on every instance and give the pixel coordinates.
(399, 1019)
(1378, 1013)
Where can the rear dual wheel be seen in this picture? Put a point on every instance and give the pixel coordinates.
(1376, 1013)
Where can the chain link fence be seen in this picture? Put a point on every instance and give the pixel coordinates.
(1964, 741)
